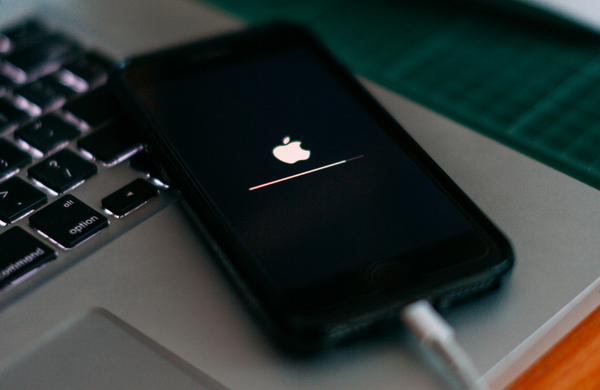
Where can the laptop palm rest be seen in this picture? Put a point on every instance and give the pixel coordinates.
(97, 350)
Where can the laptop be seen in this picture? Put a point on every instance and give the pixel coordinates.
(151, 268)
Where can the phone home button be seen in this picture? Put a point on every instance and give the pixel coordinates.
(391, 275)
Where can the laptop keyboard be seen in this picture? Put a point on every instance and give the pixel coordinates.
(65, 179)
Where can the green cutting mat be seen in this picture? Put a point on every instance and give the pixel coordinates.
(531, 84)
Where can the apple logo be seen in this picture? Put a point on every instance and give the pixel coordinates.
(290, 152)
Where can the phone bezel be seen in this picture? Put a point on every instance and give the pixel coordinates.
(361, 293)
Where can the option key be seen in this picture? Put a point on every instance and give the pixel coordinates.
(68, 221)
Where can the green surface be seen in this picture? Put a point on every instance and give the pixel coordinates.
(531, 83)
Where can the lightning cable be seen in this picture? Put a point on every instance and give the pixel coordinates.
(437, 341)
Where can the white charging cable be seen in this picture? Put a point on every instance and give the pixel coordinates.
(437, 340)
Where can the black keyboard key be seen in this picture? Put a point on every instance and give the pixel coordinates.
(5, 44)
(62, 171)
(92, 110)
(68, 221)
(11, 159)
(39, 59)
(10, 117)
(129, 198)
(113, 143)
(22, 36)
(48, 134)
(18, 198)
(52, 81)
(5, 85)
(86, 73)
(37, 98)
(21, 253)
(145, 164)
(149, 168)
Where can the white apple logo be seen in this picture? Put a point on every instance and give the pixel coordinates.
(290, 152)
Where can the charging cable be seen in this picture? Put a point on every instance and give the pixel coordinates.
(437, 341)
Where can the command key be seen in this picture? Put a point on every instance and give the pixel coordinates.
(68, 221)
(21, 253)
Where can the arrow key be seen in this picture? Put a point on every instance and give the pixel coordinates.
(17, 199)
(129, 198)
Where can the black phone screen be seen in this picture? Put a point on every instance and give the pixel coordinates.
(306, 178)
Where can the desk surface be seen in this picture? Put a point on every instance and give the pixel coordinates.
(572, 363)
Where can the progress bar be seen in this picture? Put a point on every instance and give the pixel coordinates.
(302, 174)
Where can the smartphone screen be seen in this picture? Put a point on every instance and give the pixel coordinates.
(310, 182)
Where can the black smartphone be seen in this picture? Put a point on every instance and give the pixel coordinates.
(324, 210)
